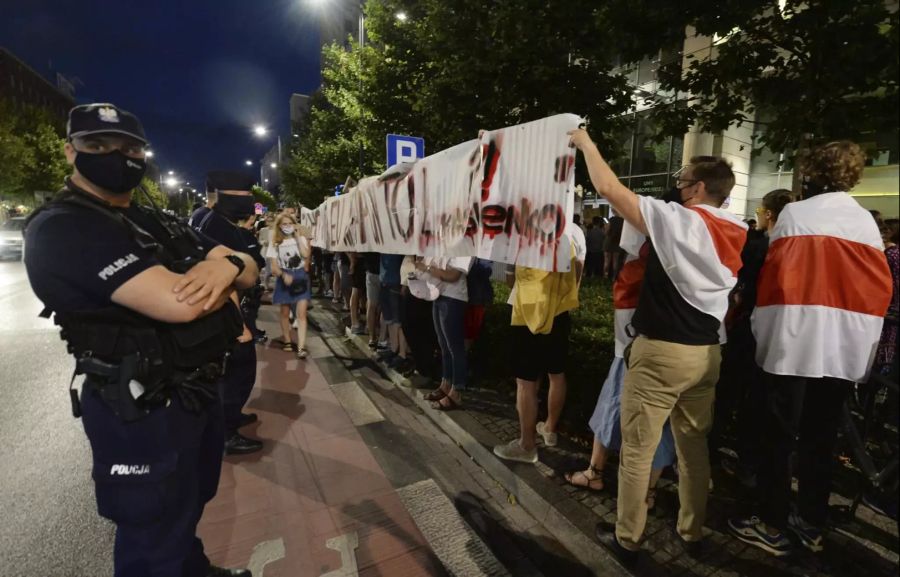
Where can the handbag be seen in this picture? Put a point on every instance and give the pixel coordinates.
(298, 286)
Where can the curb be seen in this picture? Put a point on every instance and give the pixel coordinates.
(548, 504)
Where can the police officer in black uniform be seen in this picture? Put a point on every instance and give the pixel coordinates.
(143, 303)
(232, 204)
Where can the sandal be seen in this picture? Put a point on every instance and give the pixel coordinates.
(582, 481)
(287, 346)
(301, 353)
(435, 395)
(450, 406)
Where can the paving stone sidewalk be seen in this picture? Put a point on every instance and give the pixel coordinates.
(866, 546)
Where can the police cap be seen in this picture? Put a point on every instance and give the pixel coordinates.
(103, 118)
(228, 180)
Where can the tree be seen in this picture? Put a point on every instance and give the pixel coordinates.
(45, 167)
(805, 67)
(264, 197)
(452, 68)
(157, 197)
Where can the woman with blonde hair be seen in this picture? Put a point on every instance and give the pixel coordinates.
(288, 256)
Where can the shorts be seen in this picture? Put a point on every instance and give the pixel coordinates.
(282, 295)
(473, 322)
(328, 262)
(359, 277)
(534, 355)
(346, 281)
(390, 303)
(373, 288)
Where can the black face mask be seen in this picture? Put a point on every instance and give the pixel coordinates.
(672, 195)
(112, 171)
(236, 207)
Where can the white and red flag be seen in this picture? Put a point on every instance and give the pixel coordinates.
(823, 291)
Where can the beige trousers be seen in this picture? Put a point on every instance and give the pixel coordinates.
(666, 381)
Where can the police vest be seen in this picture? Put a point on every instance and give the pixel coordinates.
(166, 353)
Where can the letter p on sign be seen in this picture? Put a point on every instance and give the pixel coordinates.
(404, 149)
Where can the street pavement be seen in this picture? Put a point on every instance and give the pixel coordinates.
(354, 479)
(50, 525)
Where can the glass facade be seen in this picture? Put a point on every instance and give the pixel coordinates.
(647, 160)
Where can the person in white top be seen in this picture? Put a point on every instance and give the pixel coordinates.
(288, 256)
(265, 239)
(446, 279)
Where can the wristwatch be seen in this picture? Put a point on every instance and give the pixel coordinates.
(238, 262)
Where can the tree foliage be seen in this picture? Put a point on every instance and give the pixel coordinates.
(264, 197)
(31, 152)
(802, 67)
(158, 198)
(452, 68)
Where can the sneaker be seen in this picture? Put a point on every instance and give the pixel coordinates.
(329, 294)
(752, 531)
(549, 438)
(809, 535)
(513, 451)
(385, 354)
(358, 330)
(373, 344)
(742, 473)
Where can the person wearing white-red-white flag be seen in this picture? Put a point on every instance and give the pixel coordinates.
(673, 365)
(821, 299)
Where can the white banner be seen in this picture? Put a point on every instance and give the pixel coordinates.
(506, 197)
(528, 193)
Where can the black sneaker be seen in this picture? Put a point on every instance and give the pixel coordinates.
(606, 534)
(751, 531)
(241, 445)
(247, 419)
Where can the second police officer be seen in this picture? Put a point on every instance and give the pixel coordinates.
(230, 206)
(144, 306)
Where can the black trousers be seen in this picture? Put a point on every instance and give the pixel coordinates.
(593, 264)
(237, 383)
(803, 413)
(740, 397)
(418, 327)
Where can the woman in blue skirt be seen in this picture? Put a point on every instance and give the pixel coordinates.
(288, 255)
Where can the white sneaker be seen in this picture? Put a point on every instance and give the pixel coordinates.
(549, 438)
(513, 451)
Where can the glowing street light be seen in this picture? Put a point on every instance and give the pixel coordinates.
(171, 172)
(402, 17)
(148, 153)
(171, 182)
(274, 165)
(248, 162)
(260, 130)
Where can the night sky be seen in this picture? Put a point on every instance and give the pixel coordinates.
(198, 73)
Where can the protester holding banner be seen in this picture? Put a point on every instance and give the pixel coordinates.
(540, 327)
(673, 363)
(822, 296)
(443, 280)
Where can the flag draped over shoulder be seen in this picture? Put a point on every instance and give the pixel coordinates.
(823, 291)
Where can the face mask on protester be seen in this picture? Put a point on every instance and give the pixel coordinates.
(112, 171)
(236, 206)
(287, 229)
(673, 195)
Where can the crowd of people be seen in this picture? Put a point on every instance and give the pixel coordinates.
(805, 298)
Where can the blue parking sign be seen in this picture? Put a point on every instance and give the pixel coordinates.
(404, 148)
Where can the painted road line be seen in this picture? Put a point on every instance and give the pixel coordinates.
(459, 548)
(359, 407)
(263, 554)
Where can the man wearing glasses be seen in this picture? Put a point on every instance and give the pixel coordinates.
(673, 364)
(143, 303)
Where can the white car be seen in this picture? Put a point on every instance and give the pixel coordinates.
(12, 243)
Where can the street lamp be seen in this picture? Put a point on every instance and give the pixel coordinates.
(148, 153)
(402, 17)
(171, 172)
(248, 162)
(260, 130)
(273, 165)
(171, 181)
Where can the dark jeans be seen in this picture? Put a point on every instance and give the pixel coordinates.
(593, 264)
(449, 325)
(811, 410)
(740, 397)
(237, 383)
(416, 318)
